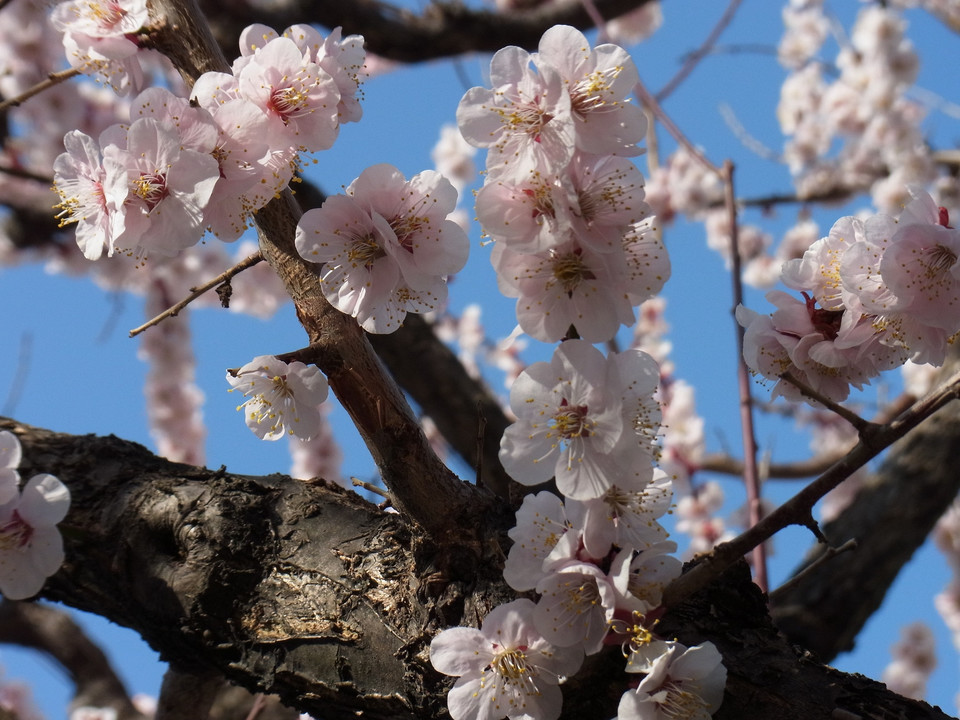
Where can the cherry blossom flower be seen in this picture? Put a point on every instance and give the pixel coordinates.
(577, 603)
(505, 669)
(683, 683)
(31, 549)
(914, 660)
(282, 399)
(97, 38)
(599, 82)
(170, 184)
(299, 94)
(387, 245)
(575, 421)
(92, 193)
(623, 518)
(541, 522)
(524, 120)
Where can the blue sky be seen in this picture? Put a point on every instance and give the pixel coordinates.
(83, 374)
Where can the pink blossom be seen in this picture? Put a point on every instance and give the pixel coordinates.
(575, 421)
(97, 38)
(576, 606)
(541, 522)
(169, 185)
(31, 549)
(684, 682)
(599, 82)
(524, 120)
(296, 92)
(386, 246)
(282, 399)
(92, 194)
(505, 669)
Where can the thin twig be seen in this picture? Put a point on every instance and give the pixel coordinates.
(26, 175)
(650, 102)
(751, 477)
(52, 79)
(851, 417)
(831, 552)
(798, 510)
(697, 55)
(370, 487)
(200, 290)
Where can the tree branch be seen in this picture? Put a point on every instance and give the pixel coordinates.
(53, 632)
(310, 592)
(443, 29)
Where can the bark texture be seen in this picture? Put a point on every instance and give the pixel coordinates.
(309, 592)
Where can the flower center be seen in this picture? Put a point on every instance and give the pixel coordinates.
(940, 260)
(15, 533)
(528, 118)
(288, 102)
(365, 251)
(152, 188)
(587, 95)
(571, 422)
(107, 15)
(570, 270)
(679, 703)
(511, 665)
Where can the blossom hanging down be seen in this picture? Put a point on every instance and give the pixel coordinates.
(97, 39)
(585, 419)
(682, 683)
(282, 399)
(386, 246)
(505, 669)
(31, 549)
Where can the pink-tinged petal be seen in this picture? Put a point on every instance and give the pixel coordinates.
(10, 452)
(18, 579)
(460, 650)
(44, 501)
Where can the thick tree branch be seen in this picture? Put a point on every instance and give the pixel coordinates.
(421, 486)
(310, 592)
(53, 632)
(443, 29)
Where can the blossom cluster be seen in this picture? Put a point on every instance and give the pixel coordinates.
(184, 166)
(598, 557)
(31, 549)
(574, 240)
(386, 246)
(874, 294)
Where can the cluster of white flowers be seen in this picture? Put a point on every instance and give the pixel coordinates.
(31, 549)
(875, 293)
(573, 240)
(914, 660)
(881, 146)
(183, 166)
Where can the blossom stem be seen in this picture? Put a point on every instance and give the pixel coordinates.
(52, 79)
(751, 476)
(196, 292)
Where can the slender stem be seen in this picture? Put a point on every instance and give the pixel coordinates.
(798, 510)
(52, 79)
(650, 102)
(701, 52)
(851, 417)
(200, 290)
(751, 477)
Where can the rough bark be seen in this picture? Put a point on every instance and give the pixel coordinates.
(311, 593)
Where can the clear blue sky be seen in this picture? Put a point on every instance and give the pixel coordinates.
(100, 389)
